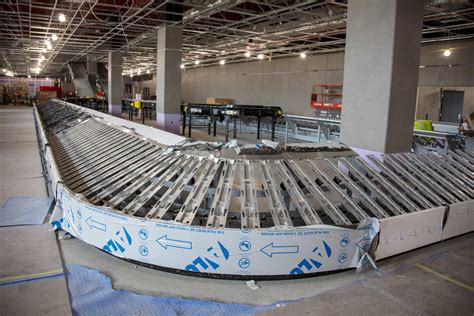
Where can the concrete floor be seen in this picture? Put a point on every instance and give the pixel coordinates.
(436, 279)
(31, 277)
(20, 166)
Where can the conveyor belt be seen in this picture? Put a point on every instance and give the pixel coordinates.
(114, 167)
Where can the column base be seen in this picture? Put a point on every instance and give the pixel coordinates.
(115, 110)
(169, 122)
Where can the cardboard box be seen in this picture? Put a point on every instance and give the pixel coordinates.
(211, 100)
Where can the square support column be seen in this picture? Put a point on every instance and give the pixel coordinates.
(168, 79)
(382, 58)
(91, 67)
(115, 83)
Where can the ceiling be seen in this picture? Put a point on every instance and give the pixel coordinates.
(212, 30)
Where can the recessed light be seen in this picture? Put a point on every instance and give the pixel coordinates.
(62, 17)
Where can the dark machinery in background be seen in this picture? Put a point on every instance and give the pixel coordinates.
(228, 113)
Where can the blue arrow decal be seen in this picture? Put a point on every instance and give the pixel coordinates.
(95, 224)
(271, 250)
(165, 242)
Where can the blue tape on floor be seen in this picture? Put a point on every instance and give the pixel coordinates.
(24, 210)
(92, 294)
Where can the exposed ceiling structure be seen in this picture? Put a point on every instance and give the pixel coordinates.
(212, 30)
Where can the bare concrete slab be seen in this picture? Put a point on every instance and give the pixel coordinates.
(32, 278)
(20, 163)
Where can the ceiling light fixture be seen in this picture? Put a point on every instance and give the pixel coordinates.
(54, 37)
(182, 66)
(260, 56)
(222, 62)
(43, 50)
(29, 77)
(148, 71)
(447, 52)
(197, 62)
(303, 55)
(247, 54)
(62, 17)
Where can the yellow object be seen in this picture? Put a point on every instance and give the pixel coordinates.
(423, 125)
(137, 104)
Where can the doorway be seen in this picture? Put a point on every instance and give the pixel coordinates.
(451, 106)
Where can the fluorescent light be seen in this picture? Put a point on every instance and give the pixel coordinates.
(260, 56)
(222, 62)
(303, 55)
(447, 52)
(247, 54)
(62, 17)
(54, 37)
(197, 62)
(182, 66)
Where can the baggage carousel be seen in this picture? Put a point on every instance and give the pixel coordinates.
(247, 212)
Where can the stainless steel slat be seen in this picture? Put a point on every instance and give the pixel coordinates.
(373, 207)
(248, 197)
(164, 203)
(195, 198)
(280, 214)
(426, 179)
(329, 208)
(307, 213)
(220, 203)
(146, 178)
(385, 199)
(411, 192)
(408, 204)
(423, 189)
(184, 164)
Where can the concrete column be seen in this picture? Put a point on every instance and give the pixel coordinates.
(115, 83)
(381, 74)
(168, 79)
(91, 66)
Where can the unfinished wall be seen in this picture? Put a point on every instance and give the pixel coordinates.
(455, 72)
(284, 82)
(287, 81)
